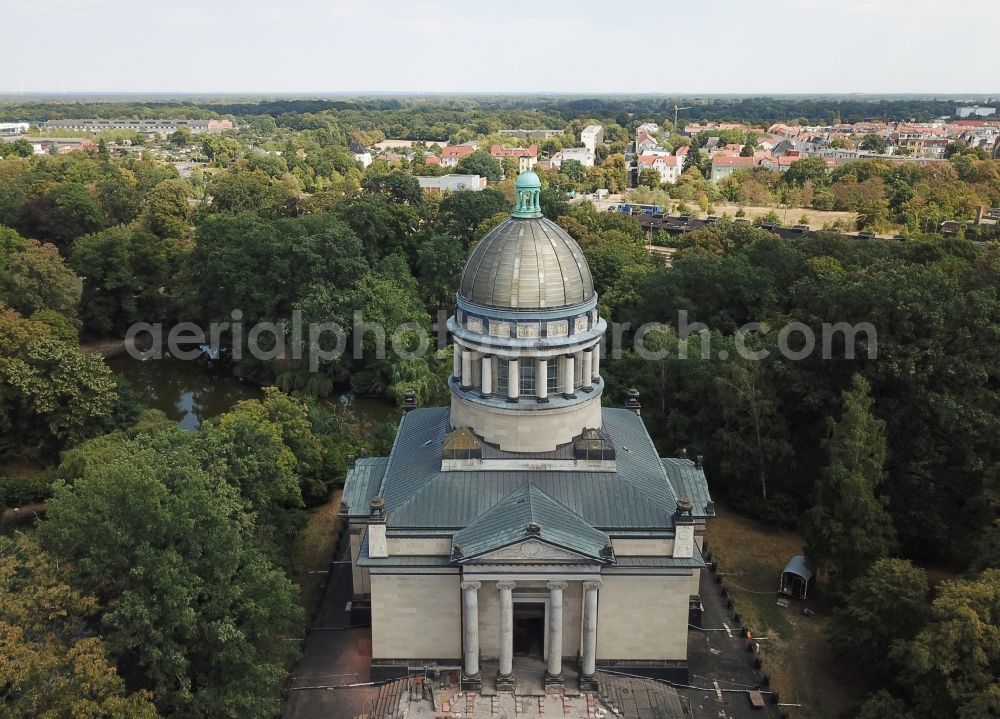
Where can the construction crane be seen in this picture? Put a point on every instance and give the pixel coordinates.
(676, 110)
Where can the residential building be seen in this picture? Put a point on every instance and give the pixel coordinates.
(921, 139)
(592, 137)
(526, 525)
(55, 145)
(452, 183)
(147, 127)
(644, 141)
(365, 158)
(453, 154)
(14, 128)
(780, 163)
(526, 156)
(725, 165)
(669, 166)
(581, 154)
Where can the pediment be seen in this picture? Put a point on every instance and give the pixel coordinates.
(532, 551)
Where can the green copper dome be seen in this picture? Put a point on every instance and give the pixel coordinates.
(528, 187)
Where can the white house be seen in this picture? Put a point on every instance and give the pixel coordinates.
(669, 166)
(452, 183)
(583, 155)
(14, 128)
(592, 137)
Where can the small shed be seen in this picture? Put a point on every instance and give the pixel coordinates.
(796, 578)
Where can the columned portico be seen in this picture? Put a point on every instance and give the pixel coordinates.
(588, 660)
(505, 674)
(553, 674)
(470, 633)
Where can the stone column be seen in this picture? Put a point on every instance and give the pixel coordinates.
(553, 674)
(588, 369)
(470, 632)
(486, 383)
(542, 379)
(466, 369)
(513, 380)
(596, 364)
(588, 664)
(569, 376)
(457, 369)
(505, 675)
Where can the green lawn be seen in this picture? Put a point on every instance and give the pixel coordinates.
(794, 647)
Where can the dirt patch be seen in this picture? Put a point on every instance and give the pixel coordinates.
(314, 549)
(817, 219)
(794, 648)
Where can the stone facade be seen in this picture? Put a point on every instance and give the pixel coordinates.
(527, 430)
(416, 616)
(643, 618)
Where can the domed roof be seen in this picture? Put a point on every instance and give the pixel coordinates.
(528, 181)
(527, 264)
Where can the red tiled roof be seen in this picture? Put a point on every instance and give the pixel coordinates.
(728, 161)
(651, 160)
(498, 151)
(457, 150)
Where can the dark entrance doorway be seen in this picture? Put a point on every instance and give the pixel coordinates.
(529, 629)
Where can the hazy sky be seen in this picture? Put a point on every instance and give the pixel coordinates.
(317, 46)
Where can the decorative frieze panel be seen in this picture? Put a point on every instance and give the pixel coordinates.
(499, 328)
(474, 324)
(527, 330)
(532, 551)
(559, 328)
(580, 324)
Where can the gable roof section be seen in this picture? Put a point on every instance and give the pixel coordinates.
(419, 495)
(511, 520)
(689, 481)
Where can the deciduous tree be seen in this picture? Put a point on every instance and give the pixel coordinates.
(847, 527)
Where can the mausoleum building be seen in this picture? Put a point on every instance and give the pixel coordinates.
(527, 519)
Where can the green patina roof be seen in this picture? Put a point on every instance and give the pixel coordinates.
(528, 181)
(419, 495)
(362, 484)
(529, 513)
(688, 480)
(529, 189)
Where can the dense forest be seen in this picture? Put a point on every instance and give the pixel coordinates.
(425, 117)
(883, 455)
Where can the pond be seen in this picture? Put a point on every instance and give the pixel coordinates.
(191, 392)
